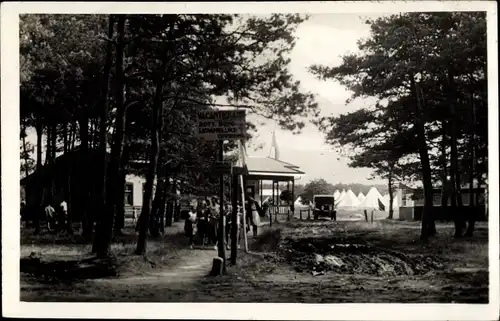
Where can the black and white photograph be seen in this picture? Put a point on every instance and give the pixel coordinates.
(251, 153)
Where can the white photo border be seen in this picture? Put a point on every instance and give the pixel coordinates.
(12, 307)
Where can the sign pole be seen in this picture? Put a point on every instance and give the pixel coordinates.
(234, 219)
(222, 217)
(218, 125)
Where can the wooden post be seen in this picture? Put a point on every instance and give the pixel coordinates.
(244, 218)
(309, 214)
(234, 219)
(371, 219)
(300, 213)
(222, 219)
(366, 215)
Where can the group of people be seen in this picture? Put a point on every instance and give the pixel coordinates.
(202, 221)
(56, 219)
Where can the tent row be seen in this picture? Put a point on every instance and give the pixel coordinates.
(372, 200)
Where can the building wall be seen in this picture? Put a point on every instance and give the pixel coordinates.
(406, 213)
(404, 200)
(138, 188)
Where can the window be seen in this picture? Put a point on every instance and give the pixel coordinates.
(129, 194)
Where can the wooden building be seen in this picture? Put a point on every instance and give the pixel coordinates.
(281, 175)
(411, 203)
(64, 180)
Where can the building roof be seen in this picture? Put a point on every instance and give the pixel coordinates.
(268, 165)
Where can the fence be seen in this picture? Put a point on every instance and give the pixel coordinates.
(278, 213)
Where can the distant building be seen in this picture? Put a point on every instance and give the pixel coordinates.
(411, 200)
(63, 179)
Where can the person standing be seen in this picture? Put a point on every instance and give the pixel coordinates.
(239, 215)
(253, 215)
(189, 226)
(49, 216)
(202, 221)
(213, 222)
(64, 213)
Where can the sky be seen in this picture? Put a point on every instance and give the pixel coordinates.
(322, 39)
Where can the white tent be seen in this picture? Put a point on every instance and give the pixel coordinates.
(361, 197)
(298, 203)
(336, 195)
(372, 198)
(341, 196)
(349, 200)
(386, 201)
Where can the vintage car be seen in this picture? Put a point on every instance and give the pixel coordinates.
(324, 205)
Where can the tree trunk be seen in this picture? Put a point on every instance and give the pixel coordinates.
(102, 242)
(444, 164)
(84, 190)
(391, 198)
(65, 138)
(154, 222)
(428, 225)
(120, 191)
(456, 198)
(25, 151)
(161, 208)
(39, 210)
(47, 145)
(176, 207)
(169, 216)
(73, 135)
(119, 221)
(153, 162)
(155, 219)
(53, 142)
(164, 205)
(472, 162)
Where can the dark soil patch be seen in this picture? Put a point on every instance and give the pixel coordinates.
(68, 270)
(316, 255)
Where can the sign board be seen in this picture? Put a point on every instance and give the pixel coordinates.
(222, 168)
(222, 125)
(238, 170)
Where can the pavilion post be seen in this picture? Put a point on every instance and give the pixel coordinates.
(273, 202)
(260, 191)
(277, 209)
(288, 201)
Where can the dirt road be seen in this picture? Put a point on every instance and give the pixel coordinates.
(385, 262)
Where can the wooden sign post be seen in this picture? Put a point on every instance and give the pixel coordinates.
(218, 125)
